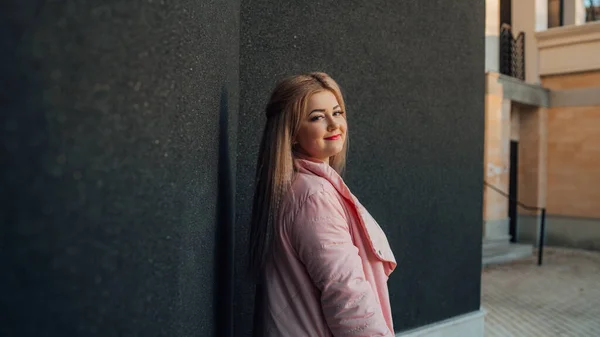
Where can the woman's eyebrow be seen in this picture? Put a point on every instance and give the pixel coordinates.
(323, 110)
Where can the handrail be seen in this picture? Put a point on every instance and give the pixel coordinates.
(542, 233)
(530, 208)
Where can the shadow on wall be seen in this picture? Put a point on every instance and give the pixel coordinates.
(224, 231)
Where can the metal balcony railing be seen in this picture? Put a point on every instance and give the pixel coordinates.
(512, 53)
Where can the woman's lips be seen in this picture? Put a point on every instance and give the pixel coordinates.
(336, 137)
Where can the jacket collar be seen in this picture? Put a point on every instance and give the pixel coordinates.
(312, 166)
(321, 169)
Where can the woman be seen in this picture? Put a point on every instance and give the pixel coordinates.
(322, 259)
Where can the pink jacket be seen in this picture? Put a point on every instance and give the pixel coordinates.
(330, 264)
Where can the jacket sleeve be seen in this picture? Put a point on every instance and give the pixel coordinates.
(321, 237)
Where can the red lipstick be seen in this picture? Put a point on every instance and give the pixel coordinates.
(336, 137)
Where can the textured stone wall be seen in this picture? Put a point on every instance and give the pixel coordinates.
(110, 138)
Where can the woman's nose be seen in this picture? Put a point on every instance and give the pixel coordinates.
(332, 125)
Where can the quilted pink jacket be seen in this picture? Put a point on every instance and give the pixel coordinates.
(330, 264)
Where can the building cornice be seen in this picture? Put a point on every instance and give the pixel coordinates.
(569, 49)
(566, 35)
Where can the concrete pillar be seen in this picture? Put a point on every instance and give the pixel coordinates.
(573, 12)
(532, 180)
(492, 35)
(529, 17)
(533, 137)
(496, 161)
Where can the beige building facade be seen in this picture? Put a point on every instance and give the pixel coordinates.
(542, 127)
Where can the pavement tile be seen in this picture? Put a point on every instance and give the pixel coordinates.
(560, 298)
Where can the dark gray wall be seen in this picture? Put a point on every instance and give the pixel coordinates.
(412, 73)
(120, 132)
(110, 138)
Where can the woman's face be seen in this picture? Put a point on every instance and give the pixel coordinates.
(323, 129)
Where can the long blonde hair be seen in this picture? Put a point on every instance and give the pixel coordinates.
(275, 167)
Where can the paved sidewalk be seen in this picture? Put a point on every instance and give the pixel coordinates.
(560, 298)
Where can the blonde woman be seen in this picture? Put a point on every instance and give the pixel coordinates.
(322, 260)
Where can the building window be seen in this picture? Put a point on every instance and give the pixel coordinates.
(592, 10)
(555, 13)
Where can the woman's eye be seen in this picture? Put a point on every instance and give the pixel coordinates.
(315, 118)
(338, 113)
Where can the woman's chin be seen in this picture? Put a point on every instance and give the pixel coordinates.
(335, 151)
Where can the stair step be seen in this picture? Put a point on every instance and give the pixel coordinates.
(495, 246)
(513, 252)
